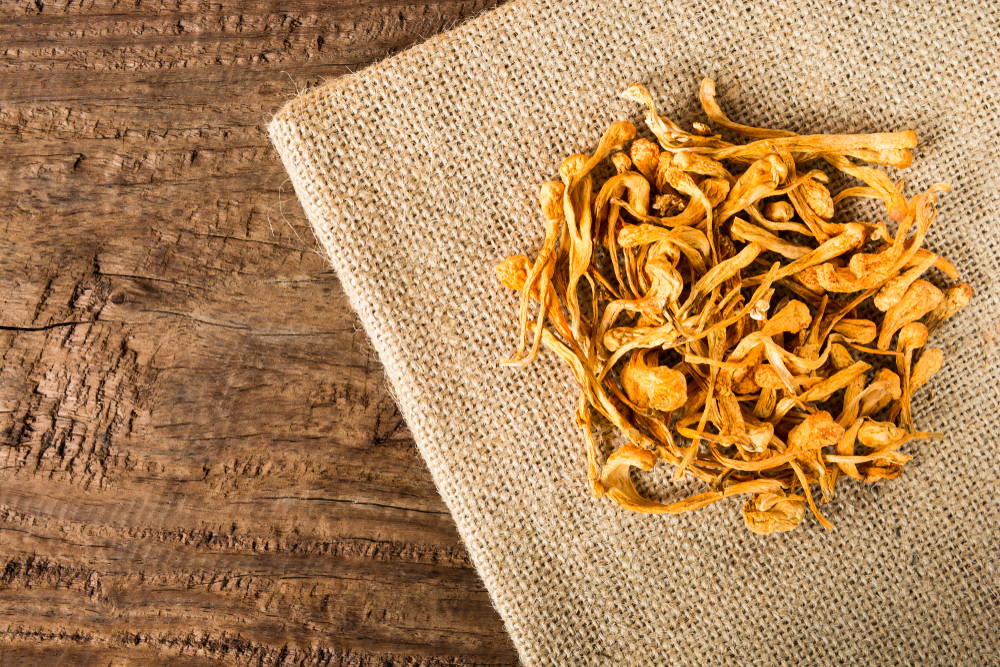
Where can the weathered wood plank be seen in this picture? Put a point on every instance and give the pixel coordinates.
(199, 458)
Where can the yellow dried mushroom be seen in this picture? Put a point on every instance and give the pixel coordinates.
(714, 310)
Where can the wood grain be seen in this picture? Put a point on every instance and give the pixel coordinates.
(199, 458)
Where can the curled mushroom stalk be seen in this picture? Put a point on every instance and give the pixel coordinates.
(714, 308)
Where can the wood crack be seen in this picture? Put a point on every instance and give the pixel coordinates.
(350, 501)
(45, 327)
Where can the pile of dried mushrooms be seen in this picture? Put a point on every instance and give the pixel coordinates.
(716, 315)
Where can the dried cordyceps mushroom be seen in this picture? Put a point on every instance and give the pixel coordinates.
(714, 312)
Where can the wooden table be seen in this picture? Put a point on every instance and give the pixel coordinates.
(200, 460)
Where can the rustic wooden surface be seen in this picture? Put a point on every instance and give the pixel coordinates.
(199, 458)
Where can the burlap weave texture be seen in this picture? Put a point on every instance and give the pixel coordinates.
(420, 173)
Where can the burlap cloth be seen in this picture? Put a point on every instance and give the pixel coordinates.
(419, 173)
